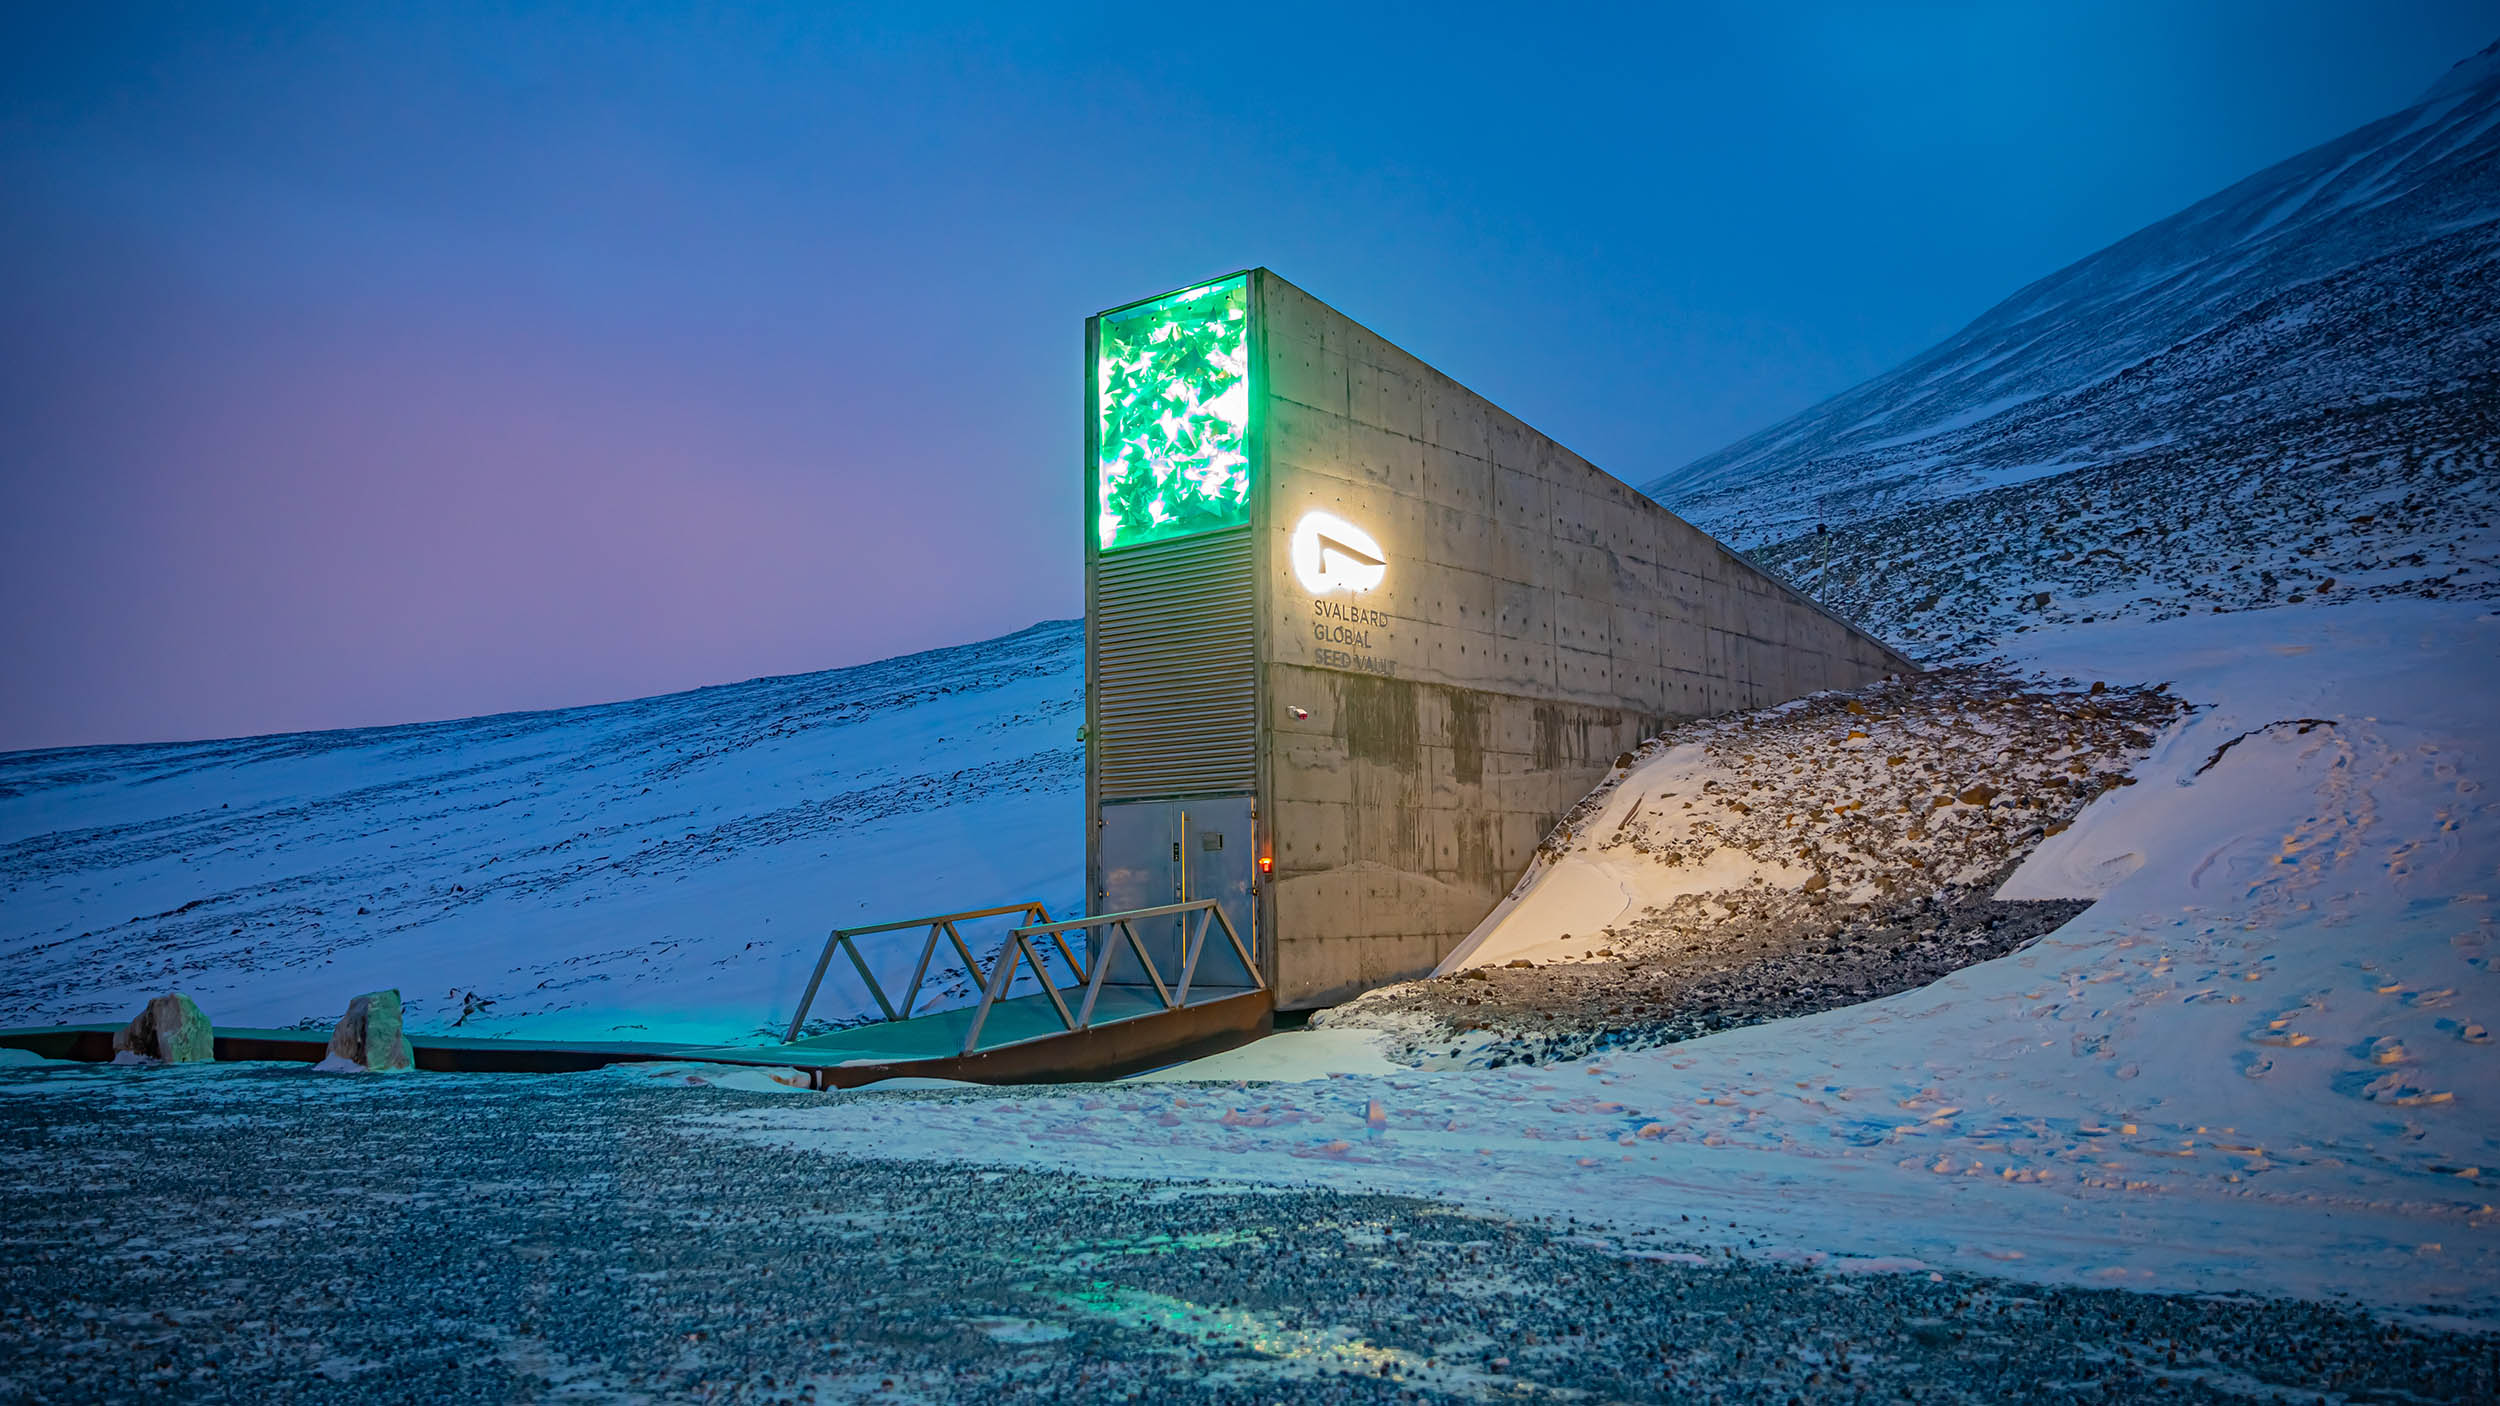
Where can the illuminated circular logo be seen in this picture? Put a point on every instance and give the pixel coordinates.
(1332, 554)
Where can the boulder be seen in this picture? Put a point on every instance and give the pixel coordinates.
(369, 1037)
(172, 1029)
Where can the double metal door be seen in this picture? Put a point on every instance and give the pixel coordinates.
(1158, 852)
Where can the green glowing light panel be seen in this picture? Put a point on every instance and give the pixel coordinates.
(1172, 389)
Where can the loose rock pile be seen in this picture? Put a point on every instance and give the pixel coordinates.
(1906, 788)
(1767, 960)
(1891, 813)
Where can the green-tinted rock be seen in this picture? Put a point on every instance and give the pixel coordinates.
(370, 1034)
(172, 1029)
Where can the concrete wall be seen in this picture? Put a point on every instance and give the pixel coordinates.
(1538, 617)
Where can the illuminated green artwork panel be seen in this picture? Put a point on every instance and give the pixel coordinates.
(1174, 388)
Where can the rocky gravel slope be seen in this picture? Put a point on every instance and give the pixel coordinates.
(1784, 861)
(2283, 394)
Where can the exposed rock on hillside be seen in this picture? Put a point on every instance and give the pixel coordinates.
(1923, 783)
(2351, 503)
(1772, 863)
(2285, 393)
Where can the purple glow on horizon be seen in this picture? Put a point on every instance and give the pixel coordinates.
(384, 364)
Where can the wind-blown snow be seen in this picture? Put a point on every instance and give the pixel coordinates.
(2263, 1062)
(658, 869)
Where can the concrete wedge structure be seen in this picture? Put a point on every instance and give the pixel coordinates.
(1357, 637)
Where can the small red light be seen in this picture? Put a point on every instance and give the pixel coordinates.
(1267, 864)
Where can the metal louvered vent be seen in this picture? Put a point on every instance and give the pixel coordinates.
(1174, 678)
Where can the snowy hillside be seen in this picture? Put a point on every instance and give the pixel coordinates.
(2289, 391)
(664, 868)
(2244, 462)
(2263, 1062)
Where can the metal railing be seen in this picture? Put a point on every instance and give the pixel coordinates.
(942, 924)
(1016, 950)
(1193, 946)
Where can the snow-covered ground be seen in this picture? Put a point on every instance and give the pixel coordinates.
(2247, 453)
(2263, 1062)
(663, 869)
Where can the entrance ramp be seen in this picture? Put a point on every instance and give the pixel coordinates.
(1111, 1010)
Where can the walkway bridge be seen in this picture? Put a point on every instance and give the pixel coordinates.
(1111, 1012)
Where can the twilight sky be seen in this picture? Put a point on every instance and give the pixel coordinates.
(379, 362)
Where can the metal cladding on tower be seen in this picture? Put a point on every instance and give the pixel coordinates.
(1357, 638)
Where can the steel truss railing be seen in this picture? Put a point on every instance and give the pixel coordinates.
(1016, 949)
(942, 924)
(1193, 946)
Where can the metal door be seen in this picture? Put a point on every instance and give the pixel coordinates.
(1157, 852)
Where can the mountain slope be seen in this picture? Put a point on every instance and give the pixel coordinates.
(2285, 394)
(2259, 1059)
(2176, 422)
(662, 868)
(2261, 1063)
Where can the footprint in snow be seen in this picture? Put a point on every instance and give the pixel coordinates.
(2386, 1049)
(2391, 1089)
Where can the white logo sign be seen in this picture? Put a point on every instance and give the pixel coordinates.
(1332, 554)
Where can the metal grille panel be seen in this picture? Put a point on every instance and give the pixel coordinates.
(1174, 678)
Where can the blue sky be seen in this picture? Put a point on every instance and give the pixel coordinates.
(373, 363)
